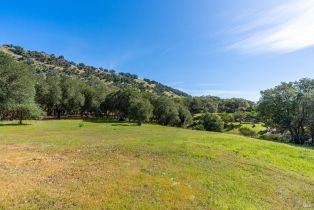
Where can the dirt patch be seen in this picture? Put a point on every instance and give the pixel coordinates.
(23, 167)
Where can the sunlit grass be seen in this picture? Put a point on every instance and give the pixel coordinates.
(256, 127)
(73, 164)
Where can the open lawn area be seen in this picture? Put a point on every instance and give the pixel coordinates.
(71, 164)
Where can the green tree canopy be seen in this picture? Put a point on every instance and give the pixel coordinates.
(308, 102)
(212, 122)
(140, 109)
(17, 89)
(165, 111)
(184, 116)
(284, 108)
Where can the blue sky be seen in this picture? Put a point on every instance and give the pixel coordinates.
(226, 48)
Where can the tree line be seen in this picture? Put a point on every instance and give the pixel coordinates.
(28, 93)
(25, 93)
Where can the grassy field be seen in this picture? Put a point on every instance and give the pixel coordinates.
(72, 164)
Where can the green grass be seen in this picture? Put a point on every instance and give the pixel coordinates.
(71, 164)
(258, 127)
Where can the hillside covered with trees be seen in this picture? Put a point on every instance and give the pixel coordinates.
(50, 64)
(59, 88)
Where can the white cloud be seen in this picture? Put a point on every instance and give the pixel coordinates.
(285, 28)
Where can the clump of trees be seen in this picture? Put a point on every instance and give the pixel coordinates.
(165, 111)
(203, 104)
(140, 110)
(16, 90)
(129, 104)
(141, 107)
(213, 104)
(212, 122)
(234, 105)
(289, 108)
(208, 122)
(62, 96)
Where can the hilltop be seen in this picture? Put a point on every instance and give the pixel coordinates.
(49, 63)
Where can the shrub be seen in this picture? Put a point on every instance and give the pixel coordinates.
(227, 117)
(81, 125)
(199, 127)
(231, 126)
(247, 132)
(212, 122)
(274, 137)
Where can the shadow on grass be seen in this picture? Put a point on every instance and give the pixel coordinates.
(13, 124)
(124, 124)
(114, 122)
(100, 120)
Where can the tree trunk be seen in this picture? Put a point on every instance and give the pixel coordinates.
(296, 136)
(20, 118)
(292, 135)
(312, 136)
(302, 135)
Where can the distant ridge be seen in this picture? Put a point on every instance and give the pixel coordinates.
(52, 64)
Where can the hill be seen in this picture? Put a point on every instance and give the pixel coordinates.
(73, 164)
(49, 63)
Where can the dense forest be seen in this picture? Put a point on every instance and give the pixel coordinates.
(36, 85)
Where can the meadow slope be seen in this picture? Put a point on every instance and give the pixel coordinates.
(70, 164)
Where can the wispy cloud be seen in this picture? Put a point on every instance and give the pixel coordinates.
(285, 28)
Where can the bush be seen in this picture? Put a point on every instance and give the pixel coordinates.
(274, 137)
(227, 117)
(231, 126)
(199, 127)
(247, 132)
(81, 125)
(212, 122)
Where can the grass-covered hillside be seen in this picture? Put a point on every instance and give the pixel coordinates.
(73, 164)
(52, 64)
